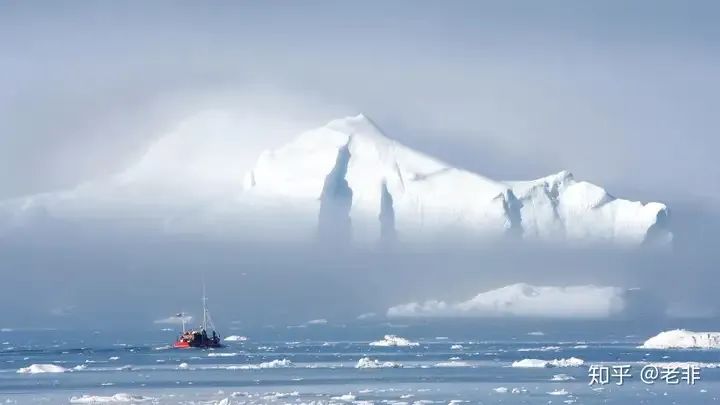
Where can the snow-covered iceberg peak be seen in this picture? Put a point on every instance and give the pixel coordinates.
(683, 339)
(376, 188)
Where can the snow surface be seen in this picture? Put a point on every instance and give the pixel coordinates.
(683, 339)
(377, 188)
(367, 362)
(537, 363)
(525, 300)
(41, 369)
(393, 341)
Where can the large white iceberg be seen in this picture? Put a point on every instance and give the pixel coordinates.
(683, 339)
(524, 300)
(345, 179)
(351, 170)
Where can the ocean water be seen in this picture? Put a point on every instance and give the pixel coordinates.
(317, 364)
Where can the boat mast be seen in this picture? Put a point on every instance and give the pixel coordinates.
(204, 299)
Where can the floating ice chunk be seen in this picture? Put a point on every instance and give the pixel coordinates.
(120, 397)
(41, 369)
(367, 362)
(270, 364)
(279, 395)
(539, 349)
(221, 354)
(536, 333)
(561, 391)
(113, 358)
(346, 397)
(183, 366)
(452, 364)
(235, 338)
(456, 347)
(393, 341)
(562, 377)
(80, 367)
(501, 390)
(683, 339)
(537, 363)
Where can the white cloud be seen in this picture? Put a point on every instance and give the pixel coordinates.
(524, 300)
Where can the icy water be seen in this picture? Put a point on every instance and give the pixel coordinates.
(317, 364)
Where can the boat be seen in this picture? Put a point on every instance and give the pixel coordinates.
(198, 338)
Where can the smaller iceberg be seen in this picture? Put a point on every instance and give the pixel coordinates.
(41, 369)
(393, 341)
(367, 362)
(683, 339)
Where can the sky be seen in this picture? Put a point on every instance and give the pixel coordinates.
(623, 94)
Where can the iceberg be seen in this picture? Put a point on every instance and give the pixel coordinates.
(390, 190)
(41, 369)
(367, 362)
(525, 300)
(683, 339)
(346, 179)
(537, 363)
(393, 341)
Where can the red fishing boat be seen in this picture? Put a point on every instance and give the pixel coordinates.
(198, 337)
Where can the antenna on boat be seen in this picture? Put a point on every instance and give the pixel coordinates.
(204, 300)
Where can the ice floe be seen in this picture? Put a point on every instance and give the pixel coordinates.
(539, 349)
(367, 362)
(235, 338)
(349, 397)
(41, 369)
(683, 339)
(270, 364)
(537, 363)
(393, 341)
(221, 354)
(117, 398)
(452, 364)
